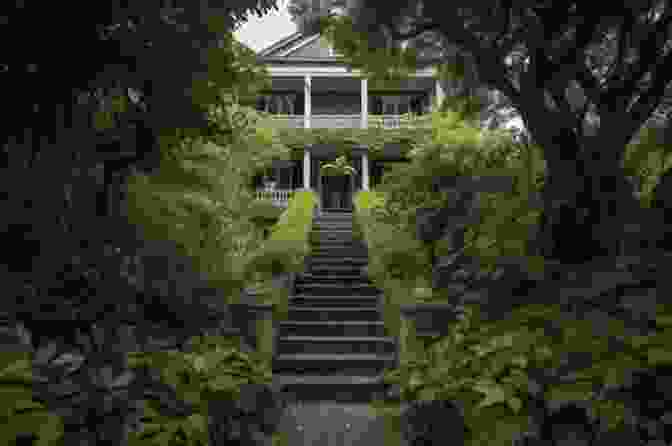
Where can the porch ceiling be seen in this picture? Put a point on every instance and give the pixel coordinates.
(345, 85)
(390, 152)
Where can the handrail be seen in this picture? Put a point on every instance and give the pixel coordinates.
(351, 120)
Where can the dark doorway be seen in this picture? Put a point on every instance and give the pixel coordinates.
(337, 192)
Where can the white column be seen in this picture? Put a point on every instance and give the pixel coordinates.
(365, 171)
(440, 95)
(306, 169)
(365, 103)
(306, 108)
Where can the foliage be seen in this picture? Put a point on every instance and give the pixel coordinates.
(339, 167)
(646, 159)
(495, 370)
(199, 197)
(287, 246)
(20, 412)
(375, 139)
(555, 91)
(212, 368)
(459, 149)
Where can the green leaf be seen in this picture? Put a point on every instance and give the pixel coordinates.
(15, 368)
(657, 356)
(494, 393)
(428, 394)
(664, 320)
(564, 393)
(415, 380)
(50, 430)
(515, 403)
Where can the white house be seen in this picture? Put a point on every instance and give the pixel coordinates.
(312, 88)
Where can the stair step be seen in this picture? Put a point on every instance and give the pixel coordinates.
(336, 258)
(324, 276)
(331, 328)
(335, 281)
(334, 301)
(360, 389)
(335, 345)
(341, 250)
(301, 313)
(335, 269)
(325, 364)
(328, 289)
(349, 242)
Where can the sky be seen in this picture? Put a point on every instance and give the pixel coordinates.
(258, 33)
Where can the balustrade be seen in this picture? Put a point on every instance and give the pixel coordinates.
(279, 197)
(349, 121)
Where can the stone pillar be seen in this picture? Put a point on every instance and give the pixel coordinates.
(306, 110)
(306, 168)
(440, 95)
(365, 171)
(364, 93)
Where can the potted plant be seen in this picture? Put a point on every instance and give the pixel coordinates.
(339, 167)
(269, 184)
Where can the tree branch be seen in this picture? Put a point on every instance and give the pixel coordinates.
(415, 32)
(649, 100)
(648, 52)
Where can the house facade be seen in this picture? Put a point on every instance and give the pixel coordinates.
(312, 88)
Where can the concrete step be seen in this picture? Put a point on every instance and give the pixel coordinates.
(335, 345)
(334, 269)
(324, 276)
(332, 226)
(360, 389)
(302, 313)
(334, 301)
(328, 289)
(331, 328)
(338, 259)
(349, 242)
(343, 251)
(331, 240)
(325, 365)
(357, 279)
(334, 214)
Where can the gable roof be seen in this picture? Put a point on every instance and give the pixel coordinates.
(299, 45)
(284, 42)
(300, 49)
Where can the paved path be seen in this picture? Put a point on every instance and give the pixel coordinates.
(333, 424)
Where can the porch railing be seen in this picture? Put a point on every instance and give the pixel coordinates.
(279, 197)
(350, 121)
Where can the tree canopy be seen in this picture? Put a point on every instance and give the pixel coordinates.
(584, 81)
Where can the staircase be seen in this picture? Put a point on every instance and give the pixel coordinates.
(333, 346)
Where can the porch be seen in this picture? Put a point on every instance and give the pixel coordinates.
(334, 192)
(349, 121)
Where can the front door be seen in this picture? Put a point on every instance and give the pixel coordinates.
(337, 192)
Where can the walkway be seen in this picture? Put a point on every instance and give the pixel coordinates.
(333, 349)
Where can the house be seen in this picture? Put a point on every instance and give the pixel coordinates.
(311, 88)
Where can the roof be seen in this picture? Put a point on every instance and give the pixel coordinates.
(280, 43)
(302, 49)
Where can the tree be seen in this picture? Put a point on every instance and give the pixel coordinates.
(535, 53)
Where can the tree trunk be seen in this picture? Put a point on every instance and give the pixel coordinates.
(586, 203)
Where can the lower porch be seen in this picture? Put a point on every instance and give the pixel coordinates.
(279, 182)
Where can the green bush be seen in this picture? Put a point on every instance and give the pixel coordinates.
(286, 248)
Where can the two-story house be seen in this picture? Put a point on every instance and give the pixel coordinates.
(311, 88)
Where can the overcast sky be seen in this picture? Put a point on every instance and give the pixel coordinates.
(258, 33)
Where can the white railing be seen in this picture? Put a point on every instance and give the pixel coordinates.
(351, 121)
(279, 197)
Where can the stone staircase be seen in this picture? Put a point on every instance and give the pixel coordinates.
(333, 346)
